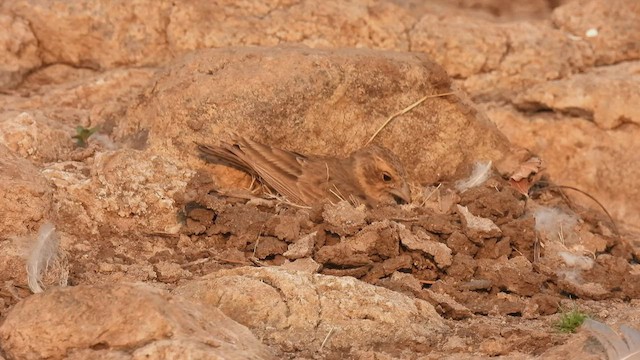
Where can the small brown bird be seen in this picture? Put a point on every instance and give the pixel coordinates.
(372, 175)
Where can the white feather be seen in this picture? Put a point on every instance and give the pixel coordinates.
(480, 174)
(551, 221)
(625, 347)
(42, 254)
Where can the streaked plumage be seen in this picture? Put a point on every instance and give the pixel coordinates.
(372, 175)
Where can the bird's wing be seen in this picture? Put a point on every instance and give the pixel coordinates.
(278, 168)
(225, 155)
(313, 184)
(328, 178)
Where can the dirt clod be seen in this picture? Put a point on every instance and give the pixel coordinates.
(462, 262)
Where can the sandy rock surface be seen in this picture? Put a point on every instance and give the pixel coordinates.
(20, 51)
(611, 28)
(103, 320)
(313, 101)
(298, 312)
(27, 196)
(475, 271)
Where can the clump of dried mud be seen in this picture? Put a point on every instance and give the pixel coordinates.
(475, 252)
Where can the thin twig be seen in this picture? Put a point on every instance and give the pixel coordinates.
(283, 200)
(326, 338)
(196, 262)
(253, 181)
(354, 200)
(404, 111)
(257, 262)
(337, 193)
(257, 240)
(424, 202)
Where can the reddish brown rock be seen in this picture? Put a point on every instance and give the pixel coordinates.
(388, 267)
(499, 60)
(459, 243)
(290, 96)
(343, 218)
(97, 35)
(576, 346)
(423, 243)
(119, 202)
(464, 46)
(267, 246)
(303, 247)
(610, 27)
(402, 282)
(495, 200)
(521, 235)
(493, 249)
(35, 136)
(477, 228)
(26, 194)
(106, 319)
(514, 275)
(379, 240)
(18, 50)
(463, 267)
(130, 187)
(296, 311)
(305, 264)
(446, 305)
(38, 120)
(587, 95)
(205, 24)
(578, 153)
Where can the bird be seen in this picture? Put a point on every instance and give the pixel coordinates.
(372, 175)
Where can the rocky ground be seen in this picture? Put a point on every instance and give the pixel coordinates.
(136, 248)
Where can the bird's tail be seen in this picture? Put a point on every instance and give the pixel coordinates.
(224, 154)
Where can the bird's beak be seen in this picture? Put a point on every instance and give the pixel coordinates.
(402, 195)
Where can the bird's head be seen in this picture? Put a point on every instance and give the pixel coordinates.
(381, 176)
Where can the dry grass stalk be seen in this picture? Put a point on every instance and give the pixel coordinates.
(404, 111)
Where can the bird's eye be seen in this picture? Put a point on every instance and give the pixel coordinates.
(386, 177)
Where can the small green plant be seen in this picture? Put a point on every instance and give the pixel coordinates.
(83, 134)
(570, 321)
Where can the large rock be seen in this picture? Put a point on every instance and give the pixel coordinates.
(578, 153)
(107, 34)
(314, 101)
(25, 193)
(27, 202)
(498, 60)
(588, 95)
(122, 321)
(371, 24)
(463, 46)
(502, 10)
(59, 86)
(119, 191)
(612, 28)
(301, 312)
(37, 121)
(97, 34)
(34, 135)
(18, 50)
